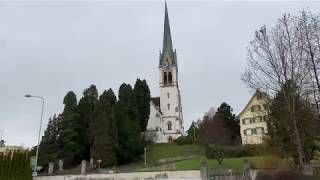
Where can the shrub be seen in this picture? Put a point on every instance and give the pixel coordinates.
(182, 140)
(270, 162)
(278, 175)
(264, 176)
(216, 152)
(15, 165)
(235, 151)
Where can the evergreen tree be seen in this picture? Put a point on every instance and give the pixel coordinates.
(104, 134)
(86, 109)
(15, 165)
(223, 128)
(194, 131)
(72, 142)
(142, 94)
(50, 145)
(231, 122)
(27, 173)
(281, 126)
(128, 125)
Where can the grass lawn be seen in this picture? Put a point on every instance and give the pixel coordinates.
(194, 154)
(236, 164)
(162, 151)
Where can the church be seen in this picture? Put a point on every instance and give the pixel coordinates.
(166, 120)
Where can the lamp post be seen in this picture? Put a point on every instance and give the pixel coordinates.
(34, 174)
(145, 157)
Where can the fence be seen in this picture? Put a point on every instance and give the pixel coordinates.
(228, 177)
(224, 174)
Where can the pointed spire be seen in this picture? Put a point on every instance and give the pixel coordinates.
(167, 41)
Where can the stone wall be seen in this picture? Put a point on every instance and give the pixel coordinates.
(189, 174)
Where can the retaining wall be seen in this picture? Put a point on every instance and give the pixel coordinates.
(188, 174)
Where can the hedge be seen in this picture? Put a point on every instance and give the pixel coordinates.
(15, 165)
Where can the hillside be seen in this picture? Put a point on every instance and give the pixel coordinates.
(184, 157)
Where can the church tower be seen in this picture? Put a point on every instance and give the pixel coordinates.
(170, 99)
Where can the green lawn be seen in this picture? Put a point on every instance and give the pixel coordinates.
(236, 164)
(163, 151)
(228, 163)
(192, 156)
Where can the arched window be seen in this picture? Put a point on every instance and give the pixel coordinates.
(169, 125)
(170, 78)
(168, 94)
(165, 78)
(168, 106)
(170, 140)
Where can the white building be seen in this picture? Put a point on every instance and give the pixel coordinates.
(166, 120)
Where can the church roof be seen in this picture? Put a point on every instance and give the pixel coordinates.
(167, 47)
(167, 41)
(156, 101)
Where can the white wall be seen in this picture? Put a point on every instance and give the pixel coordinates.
(188, 174)
(154, 121)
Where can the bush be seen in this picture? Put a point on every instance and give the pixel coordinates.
(217, 152)
(270, 162)
(182, 140)
(264, 176)
(15, 165)
(234, 151)
(278, 175)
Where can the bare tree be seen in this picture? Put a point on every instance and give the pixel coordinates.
(275, 57)
(308, 33)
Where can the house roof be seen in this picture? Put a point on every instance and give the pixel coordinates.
(257, 91)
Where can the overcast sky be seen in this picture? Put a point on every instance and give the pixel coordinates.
(49, 48)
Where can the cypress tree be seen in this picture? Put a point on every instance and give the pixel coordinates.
(86, 110)
(142, 95)
(104, 142)
(129, 133)
(5, 165)
(9, 165)
(72, 142)
(27, 175)
(14, 164)
(50, 145)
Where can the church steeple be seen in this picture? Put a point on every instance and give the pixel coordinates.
(167, 41)
(167, 49)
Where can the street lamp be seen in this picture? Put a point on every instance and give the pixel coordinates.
(37, 152)
(145, 157)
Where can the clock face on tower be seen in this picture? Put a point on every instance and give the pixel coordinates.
(166, 66)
